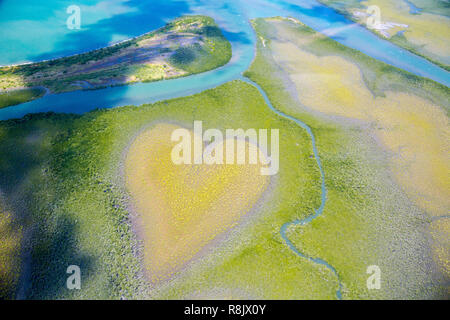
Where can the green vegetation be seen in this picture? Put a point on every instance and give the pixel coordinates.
(196, 58)
(14, 97)
(425, 31)
(65, 172)
(78, 206)
(79, 214)
(191, 44)
(65, 228)
(441, 7)
(10, 242)
(400, 40)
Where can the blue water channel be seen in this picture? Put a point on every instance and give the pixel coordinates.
(31, 31)
(123, 18)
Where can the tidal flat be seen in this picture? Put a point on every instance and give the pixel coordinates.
(66, 176)
(80, 215)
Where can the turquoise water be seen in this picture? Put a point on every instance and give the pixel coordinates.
(31, 32)
(323, 195)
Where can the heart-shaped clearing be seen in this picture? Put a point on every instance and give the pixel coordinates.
(182, 208)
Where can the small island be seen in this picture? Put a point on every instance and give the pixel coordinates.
(185, 46)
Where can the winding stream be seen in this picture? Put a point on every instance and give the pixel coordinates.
(133, 17)
(319, 210)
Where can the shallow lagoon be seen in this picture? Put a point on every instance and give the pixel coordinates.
(43, 35)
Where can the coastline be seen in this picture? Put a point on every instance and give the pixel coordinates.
(188, 45)
(213, 245)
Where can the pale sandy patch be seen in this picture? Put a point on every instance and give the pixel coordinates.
(182, 208)
(418, 132)
(430, 31)
(413, 130)
(440, 231)
(10, 245)
(328, 84)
